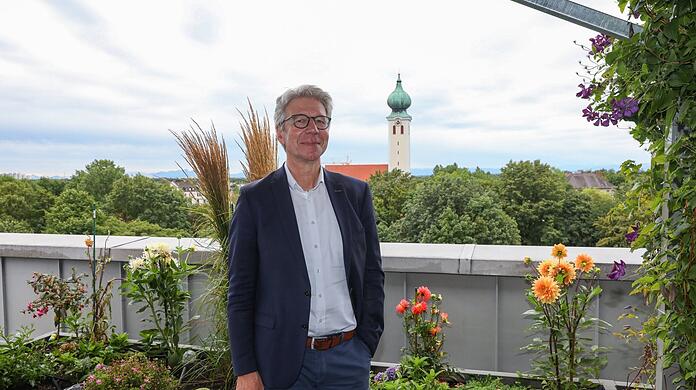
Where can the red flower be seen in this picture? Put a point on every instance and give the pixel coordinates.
(423, 294)
(435, 330)
(402, 306)
(419, 308)
(445, 317)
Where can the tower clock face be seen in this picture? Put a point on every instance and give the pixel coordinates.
(398, 122)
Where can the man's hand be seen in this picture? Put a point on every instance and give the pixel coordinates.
(250, 381)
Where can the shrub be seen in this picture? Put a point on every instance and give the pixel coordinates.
(134, 372)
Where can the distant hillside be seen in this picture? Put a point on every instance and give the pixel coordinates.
(179, 174)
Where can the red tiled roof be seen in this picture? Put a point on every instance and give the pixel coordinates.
(358, 171)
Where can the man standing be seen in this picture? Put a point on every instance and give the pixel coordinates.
(306, 286)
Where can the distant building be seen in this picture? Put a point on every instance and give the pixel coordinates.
(582, 180)
(358, 171)
(399, 129)
(190, 190)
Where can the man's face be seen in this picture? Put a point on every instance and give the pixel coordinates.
(308, 144)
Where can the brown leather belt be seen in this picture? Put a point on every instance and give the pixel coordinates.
(327, 342)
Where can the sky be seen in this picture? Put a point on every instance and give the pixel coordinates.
(490, 81)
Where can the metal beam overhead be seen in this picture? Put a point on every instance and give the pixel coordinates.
(584, 16)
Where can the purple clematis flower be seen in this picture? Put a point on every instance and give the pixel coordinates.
(600, 42)
(585, 92)
(379, 377)
(618, 270)
(624, 108)
(630, 237)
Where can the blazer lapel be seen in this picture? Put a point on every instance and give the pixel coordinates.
(286, 213)
(339, 201)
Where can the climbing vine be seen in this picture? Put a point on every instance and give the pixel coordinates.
(646, 83)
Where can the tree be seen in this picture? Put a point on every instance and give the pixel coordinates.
(24, 201)
(98, 178)
(54, 186)
(390, 192)
(72, 213)
(147, 199)
(533, 194)
(137, 227)
(452, 207)
(11, 225)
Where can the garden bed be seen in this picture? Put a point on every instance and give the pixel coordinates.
(464, 376)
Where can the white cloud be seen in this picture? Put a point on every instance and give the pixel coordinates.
(490, 81)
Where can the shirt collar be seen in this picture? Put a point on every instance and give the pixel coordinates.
(293, 183)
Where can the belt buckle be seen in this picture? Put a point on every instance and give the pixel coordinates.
(315, 339)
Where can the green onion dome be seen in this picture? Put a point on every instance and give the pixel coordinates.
(399, 101)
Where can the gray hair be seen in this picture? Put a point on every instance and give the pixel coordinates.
(302, 91)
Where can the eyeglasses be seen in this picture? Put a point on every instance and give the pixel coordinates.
(301, 121)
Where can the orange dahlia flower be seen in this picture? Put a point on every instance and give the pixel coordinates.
(567, 270)
(546, 289)
(559, 251)
(546, 267)
(584, 262)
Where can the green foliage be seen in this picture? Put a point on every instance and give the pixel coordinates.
(54, 186)
(564, 354)
(453, 207)
(137, 227)
(534, 194)
(98, 178)
(10, 225)
(72, 213)
(414, 373)
(22, 364)
(390, 192)
(22, 203)
(74, 359)
(154, 281)
(133, 372)
(632, 207)
(489, 383)
(656, 68)
(150, 200)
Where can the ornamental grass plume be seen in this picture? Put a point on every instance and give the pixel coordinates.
(206, 154)
(260, 146)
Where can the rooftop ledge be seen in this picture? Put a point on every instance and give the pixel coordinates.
(464, 259)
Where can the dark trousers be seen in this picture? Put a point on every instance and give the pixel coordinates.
(344, 367)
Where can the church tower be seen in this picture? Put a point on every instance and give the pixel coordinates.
(399, 129)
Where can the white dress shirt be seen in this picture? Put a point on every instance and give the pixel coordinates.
(331, 310)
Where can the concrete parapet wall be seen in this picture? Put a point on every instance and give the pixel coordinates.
(483, 288)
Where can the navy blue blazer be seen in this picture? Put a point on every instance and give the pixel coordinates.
(269, 289)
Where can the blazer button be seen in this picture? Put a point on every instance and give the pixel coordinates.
(307, 293)
(304, 326)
